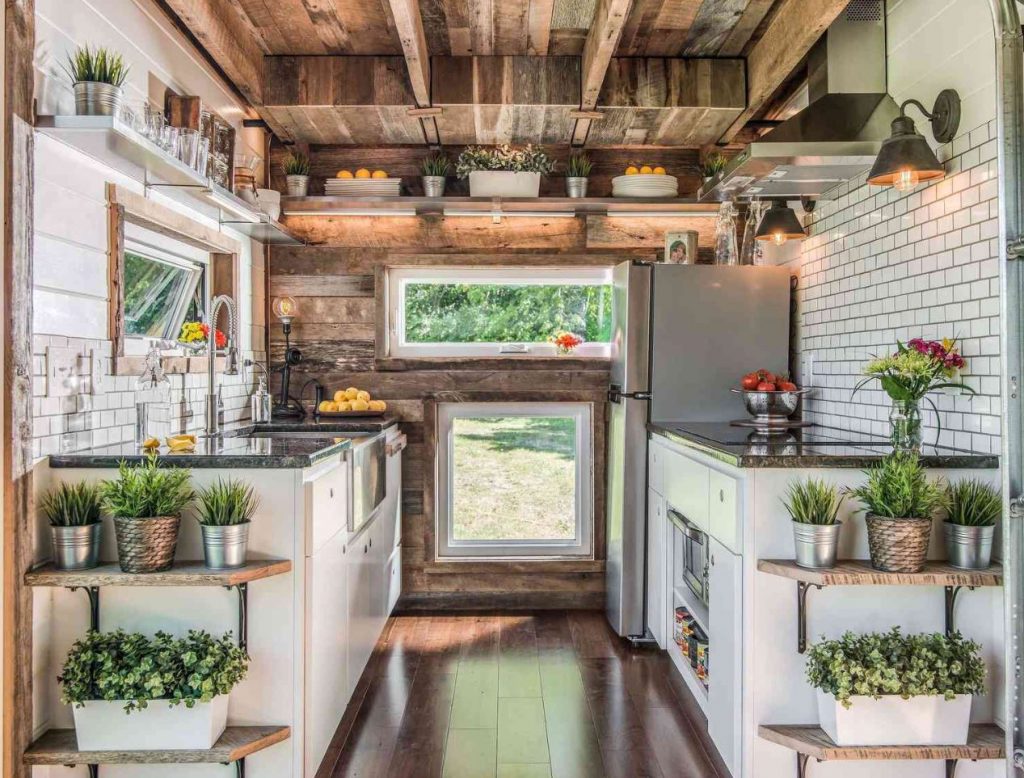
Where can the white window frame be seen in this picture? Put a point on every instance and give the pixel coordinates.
(582, 545)
(399, 277)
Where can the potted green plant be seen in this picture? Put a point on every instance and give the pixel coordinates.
(97, 77)
(73, 511)
(577, 173)
(224, 513)
(814, 506)
(503, 171)
(713, 164)
(894, 689)
(899, 502)
(435, 168)
(974, 509)
(296, 171)
(109, 674)
(146, 504)
(907, 376)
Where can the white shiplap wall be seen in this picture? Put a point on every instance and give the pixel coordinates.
(881, 265)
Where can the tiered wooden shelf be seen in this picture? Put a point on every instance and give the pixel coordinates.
(181, 574)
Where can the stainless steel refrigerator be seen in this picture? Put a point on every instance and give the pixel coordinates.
(683, 336)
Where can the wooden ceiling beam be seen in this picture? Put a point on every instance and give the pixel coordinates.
(796, 28)
(602, 41)
(409, 24)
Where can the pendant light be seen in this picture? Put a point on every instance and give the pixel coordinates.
(780, 224)
(905, 159)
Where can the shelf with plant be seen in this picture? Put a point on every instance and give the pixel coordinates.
(97, 77)
(813, 505)
(73, 512)
(225, 510)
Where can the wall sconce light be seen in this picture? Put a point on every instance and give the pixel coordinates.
(286, 309)
(905, 159)
(780, 224)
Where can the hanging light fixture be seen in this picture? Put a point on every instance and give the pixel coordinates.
(780, 224)
(905, 159)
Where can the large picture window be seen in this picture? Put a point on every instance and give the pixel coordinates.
(514, 479)
(472, 311)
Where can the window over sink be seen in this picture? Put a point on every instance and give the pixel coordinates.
(492, 311)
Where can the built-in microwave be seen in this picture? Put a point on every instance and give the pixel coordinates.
(694, 556)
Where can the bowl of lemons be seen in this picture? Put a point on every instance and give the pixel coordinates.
(363, 182)
(645, 181)
(351, 402)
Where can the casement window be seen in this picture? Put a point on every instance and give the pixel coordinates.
(480, 311)
(514, 480)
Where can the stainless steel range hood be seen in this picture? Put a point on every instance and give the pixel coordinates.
(837, 136)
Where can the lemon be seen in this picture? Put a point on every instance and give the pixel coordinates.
(632, 170)
(343, 406)
(362, 173)
(646, 170)
(380, 174)
(363, 396)
(360, 405)
(659, 171)
(326, 406)
(340, 395)
(378, 405)
(344, 174)
(351, 393)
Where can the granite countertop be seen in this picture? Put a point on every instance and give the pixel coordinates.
(247, 447)
(815, 446)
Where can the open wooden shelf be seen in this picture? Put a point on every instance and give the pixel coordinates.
(187, 573)
(859, 572)
(984, 741)
(60, 747)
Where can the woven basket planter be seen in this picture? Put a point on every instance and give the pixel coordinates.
(146, 545)
(898, 545)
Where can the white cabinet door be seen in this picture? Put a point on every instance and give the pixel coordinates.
(326, 505)
(327, 635)
(725, 643)
(687, 487)
(360, 574)
(724, 523)
(657, 582)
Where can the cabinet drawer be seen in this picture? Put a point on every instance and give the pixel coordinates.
(656, 467)
(723, 511)
(326, 506)
(686, 487)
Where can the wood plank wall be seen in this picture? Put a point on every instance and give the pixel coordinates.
(334, 283)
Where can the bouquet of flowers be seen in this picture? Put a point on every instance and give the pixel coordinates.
(565, 342)
(195, 334)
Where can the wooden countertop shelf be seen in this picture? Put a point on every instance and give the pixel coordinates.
(60, 747)
(984, 741)
(186, 573)
(859, 572)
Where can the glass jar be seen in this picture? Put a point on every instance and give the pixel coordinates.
(726, 250)
(905, 425)
(752, 250)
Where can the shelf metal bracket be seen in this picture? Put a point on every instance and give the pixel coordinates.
(952, 592)
(93, 593)
(801, 764)
(243, 614)
(94, 770)
(951, 767)
(802, 588)
(239, 767)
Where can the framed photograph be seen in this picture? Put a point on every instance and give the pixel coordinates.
(681, 247)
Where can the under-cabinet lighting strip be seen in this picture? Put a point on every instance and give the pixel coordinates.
(506, 214)
(353, 212)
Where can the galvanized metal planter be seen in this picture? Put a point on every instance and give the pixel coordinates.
(76, 548)
(816, 544)
(576, 186)
(94, 98)
(298, 186)
(969, 548)
(225, 547)
(433, 186)
(146, 545)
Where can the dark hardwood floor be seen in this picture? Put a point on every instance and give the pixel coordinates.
(552, 694)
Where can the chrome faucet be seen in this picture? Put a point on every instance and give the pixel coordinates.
(230, 362)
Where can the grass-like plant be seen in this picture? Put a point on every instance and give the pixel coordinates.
(296, 164)
(973, 503)
(436, 165)
(140, 669)
(812, 501)
(713, 164)
(526, 159)
(578, 166)
(101, 65)
(72, 505)
(890, 663)
(226, 503)
(898, 487)
(147, 491)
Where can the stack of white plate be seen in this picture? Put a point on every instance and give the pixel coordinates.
(363, 187)
(645, 185)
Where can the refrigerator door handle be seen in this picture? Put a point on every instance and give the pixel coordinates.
(615, 395)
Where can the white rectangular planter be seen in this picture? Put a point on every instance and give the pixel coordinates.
(924, 720)
(503, 183)
(102, 725)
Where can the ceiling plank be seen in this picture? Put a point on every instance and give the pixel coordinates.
(715, 20)
(228, 40)
(602, 40)
(539, 26)
(745, 28)
(796, 28)
(409, 24)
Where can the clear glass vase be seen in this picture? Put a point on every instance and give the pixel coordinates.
(905, 426)
(726, 250)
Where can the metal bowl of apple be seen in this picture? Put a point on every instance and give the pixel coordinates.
(771, 407)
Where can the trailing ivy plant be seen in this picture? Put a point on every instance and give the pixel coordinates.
(140, 669)
(973, 503)
(812, 501)
(72, 505)
(226, 503)
(891, 663)
(147, 491)
(898, 487)
(526, 159)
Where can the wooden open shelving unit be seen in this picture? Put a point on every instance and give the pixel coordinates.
(60, 747)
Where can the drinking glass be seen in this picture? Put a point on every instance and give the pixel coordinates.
(155, 122)
(188, 147)
(203, 155)
(169, 139)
